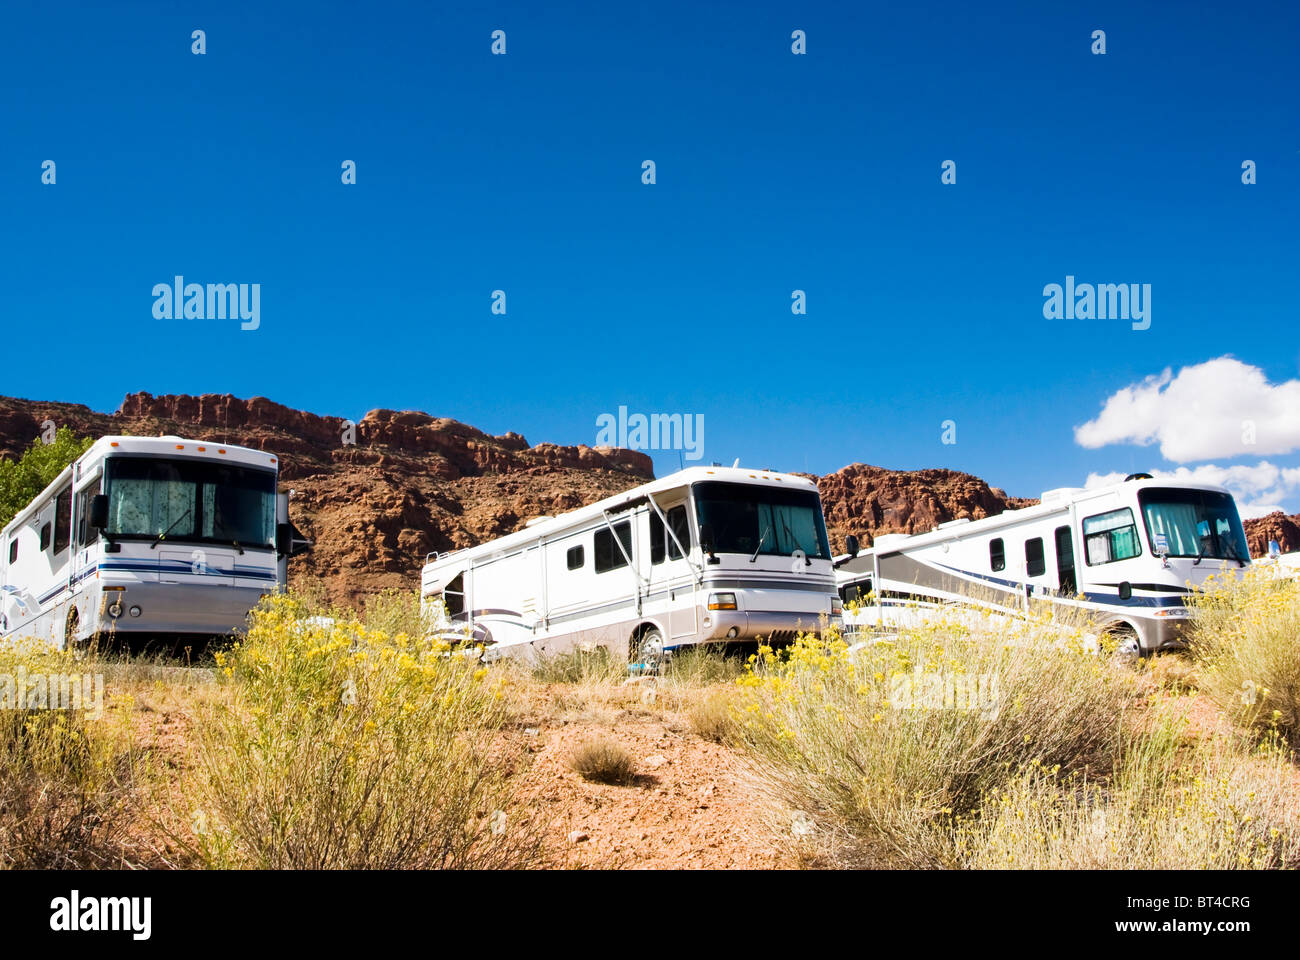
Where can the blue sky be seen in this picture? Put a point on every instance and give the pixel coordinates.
(775, 172)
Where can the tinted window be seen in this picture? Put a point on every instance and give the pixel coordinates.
(575, 557)
(45, 537)
(191, 500)
(13, 549)
(607, 552)
(1110, 536)
(856, 592)
(762, 520)
(63, 520)
(85, 532)
(453, 595)
(1034, 563)
(997, 555)
(1193, 523)
(662, 543)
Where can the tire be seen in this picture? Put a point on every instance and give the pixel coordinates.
(646, 650)
(1128, 649)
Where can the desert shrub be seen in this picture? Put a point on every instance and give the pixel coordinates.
(884, 741)
(714, 716)
(340, 745)
(1214, 807)
(602, 761)
(66, 772)
(1243, 637)
(703, 664)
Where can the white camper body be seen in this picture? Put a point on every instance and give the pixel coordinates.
(195, 533)
(630, 572)
(1127, 554)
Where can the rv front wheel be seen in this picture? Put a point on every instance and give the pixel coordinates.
(1125, 639)
(646, 648)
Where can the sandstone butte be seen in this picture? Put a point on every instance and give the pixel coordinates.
(414, 483)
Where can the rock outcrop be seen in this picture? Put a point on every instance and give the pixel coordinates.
(379, 495)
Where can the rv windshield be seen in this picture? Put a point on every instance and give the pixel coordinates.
(1193, 523)
(762, 520)
(191, 500)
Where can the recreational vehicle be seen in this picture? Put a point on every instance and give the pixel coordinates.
(145, 537)
(1127, 554)
(705, 554)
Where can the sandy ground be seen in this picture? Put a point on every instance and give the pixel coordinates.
(687, 807)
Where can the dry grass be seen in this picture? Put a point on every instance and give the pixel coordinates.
(67, 785)
(713, 715)
(603, 761)
(1244, 638)
(884, 743)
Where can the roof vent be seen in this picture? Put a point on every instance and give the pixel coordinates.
(1138, 476)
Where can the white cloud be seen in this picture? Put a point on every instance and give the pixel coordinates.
(1259, 489)
(1209, 410)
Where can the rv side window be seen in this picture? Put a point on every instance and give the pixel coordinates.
(62, 520)
(13, 549)
(608, 555)
(662, 544)
(575, 558)
(453, 595)
(997, 555)
(658, 540)
(1112, 536)
(681, 526)
(86, 534)
(856, 592)
(1035, 566)
(45, 537)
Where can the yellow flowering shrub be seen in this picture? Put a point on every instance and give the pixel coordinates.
(891, 736)
(1245, 638)
(340, 744)
(65, 773)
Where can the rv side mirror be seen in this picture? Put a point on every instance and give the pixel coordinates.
(1125, 590)
(99, 511)
(283, 539)
(851, 545)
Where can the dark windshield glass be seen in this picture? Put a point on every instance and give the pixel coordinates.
(191, 500)
(1193, 523)
(763, 520)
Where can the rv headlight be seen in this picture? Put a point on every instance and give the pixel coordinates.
(837, 606)
(135, 611)
(722, 601)
(115, 609)
(1173, 612)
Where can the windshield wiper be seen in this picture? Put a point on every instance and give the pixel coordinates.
(807, 560)
(163, 536)
(760, 543)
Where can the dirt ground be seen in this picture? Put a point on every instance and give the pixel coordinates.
(688, 806)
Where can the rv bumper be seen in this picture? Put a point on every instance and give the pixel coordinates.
(173, 608)
(1164, 633)
(739, 625)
